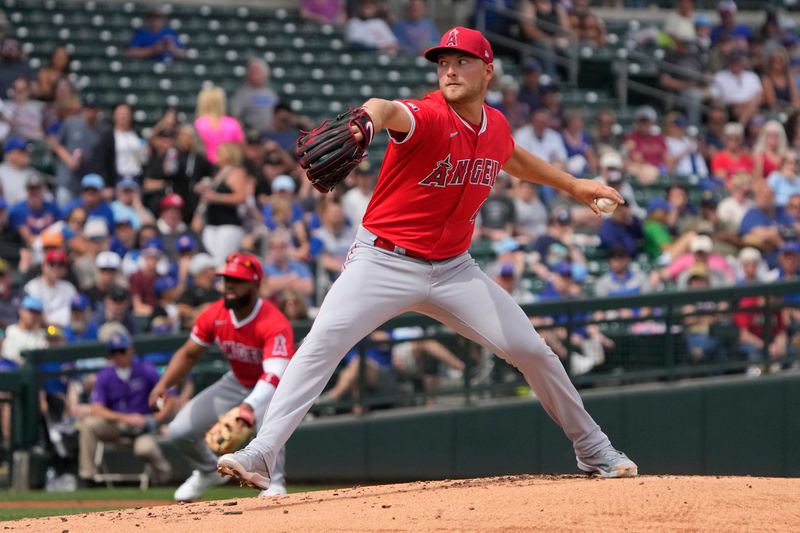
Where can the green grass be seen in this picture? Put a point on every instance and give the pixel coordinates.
(117, 493)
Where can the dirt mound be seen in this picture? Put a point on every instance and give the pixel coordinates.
(513, 503)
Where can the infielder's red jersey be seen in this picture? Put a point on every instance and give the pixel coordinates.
(435, 178)
(264, 334)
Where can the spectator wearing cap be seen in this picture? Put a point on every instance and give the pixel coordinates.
(116, 307)
(624, 277)
(106, 277)
(14, 170)
(80, 328)
(750, 267)
(170, 223)
(684, 157)
(779, 85)
(355, 201)
(128, 204)
(54, 291)
(738, 88)
(530, 212)
(91, 200)
(734, 156)
(659, 244)
(682, 71)
(509, 280)
(84, 145)
(285, 273)
(201, 292)
(367, 30)
(10, 297)
(142, 283)
(416, 32)
(165, 318)
(155, 40)
(784, 180)
(622, 229)
(612, 173)
(254, 102)
(763, 224)
(530, 90)
(119, 409)
(333, 240)
(538, 138)
(557, 244)
(699, 317)
(124, 237)
(645, 148)
(25, 112)
(30, 216)
(284, 212)
(96, 239)
(220, 201)
(28, 333)
(741, 33)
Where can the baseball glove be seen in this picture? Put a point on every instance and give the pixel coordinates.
(329, 152)
(231, 430)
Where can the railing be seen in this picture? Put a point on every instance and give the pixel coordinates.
(650, 345)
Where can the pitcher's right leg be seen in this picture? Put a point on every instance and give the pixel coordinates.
(375, 286)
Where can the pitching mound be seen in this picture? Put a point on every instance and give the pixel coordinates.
(514, 503)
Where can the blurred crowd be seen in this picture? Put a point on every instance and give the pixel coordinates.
(106, 221)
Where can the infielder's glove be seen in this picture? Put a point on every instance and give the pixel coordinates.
(330, 152)
(231, 430)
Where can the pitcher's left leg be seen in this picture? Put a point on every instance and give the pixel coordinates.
(466, 299)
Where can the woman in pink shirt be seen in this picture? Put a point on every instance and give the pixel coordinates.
(734, 157)
(213, 125)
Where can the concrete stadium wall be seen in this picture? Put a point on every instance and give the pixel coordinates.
(725, 426)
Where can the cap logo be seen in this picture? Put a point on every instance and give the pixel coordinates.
(452, 38)
(486, 54)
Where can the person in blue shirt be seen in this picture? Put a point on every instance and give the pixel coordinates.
(155, 40)
(764, 225)
(622, 229)
(416, 33)
(31, 216)
(92, 201)
(80, 329)
(727, 15)
(285, 273)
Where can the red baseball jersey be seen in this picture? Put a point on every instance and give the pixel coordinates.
(264, 334)
(435, 178)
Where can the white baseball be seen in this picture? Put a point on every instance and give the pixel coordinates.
(605, 205)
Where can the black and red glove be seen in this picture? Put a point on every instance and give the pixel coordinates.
(331, 151)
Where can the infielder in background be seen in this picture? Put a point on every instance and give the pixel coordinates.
(258, 340)
(410, 254)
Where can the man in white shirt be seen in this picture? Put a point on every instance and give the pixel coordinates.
(55, 293)
(732, 209)
(530, 212)
(541, 140)
(14, 170)
(28, 333)
(738, 88)
(370, 31)
(355, 201)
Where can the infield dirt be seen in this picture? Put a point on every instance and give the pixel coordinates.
(511, 503)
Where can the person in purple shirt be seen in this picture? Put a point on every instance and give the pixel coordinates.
(156, 40)
(622, 229)
(766, 225)
(119, 410)
(416, 32)
(92, 201)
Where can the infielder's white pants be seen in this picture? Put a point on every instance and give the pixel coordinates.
(221, 241)
(377, 285)
(187, 431)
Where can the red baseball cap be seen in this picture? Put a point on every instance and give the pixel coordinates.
(243, 266)
(56, 256)
(464, 40)
(171, 200)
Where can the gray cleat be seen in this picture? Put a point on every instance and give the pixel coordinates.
(246, 466)
(608, 463)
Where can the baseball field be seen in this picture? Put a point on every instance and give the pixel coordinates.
(511, 503)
